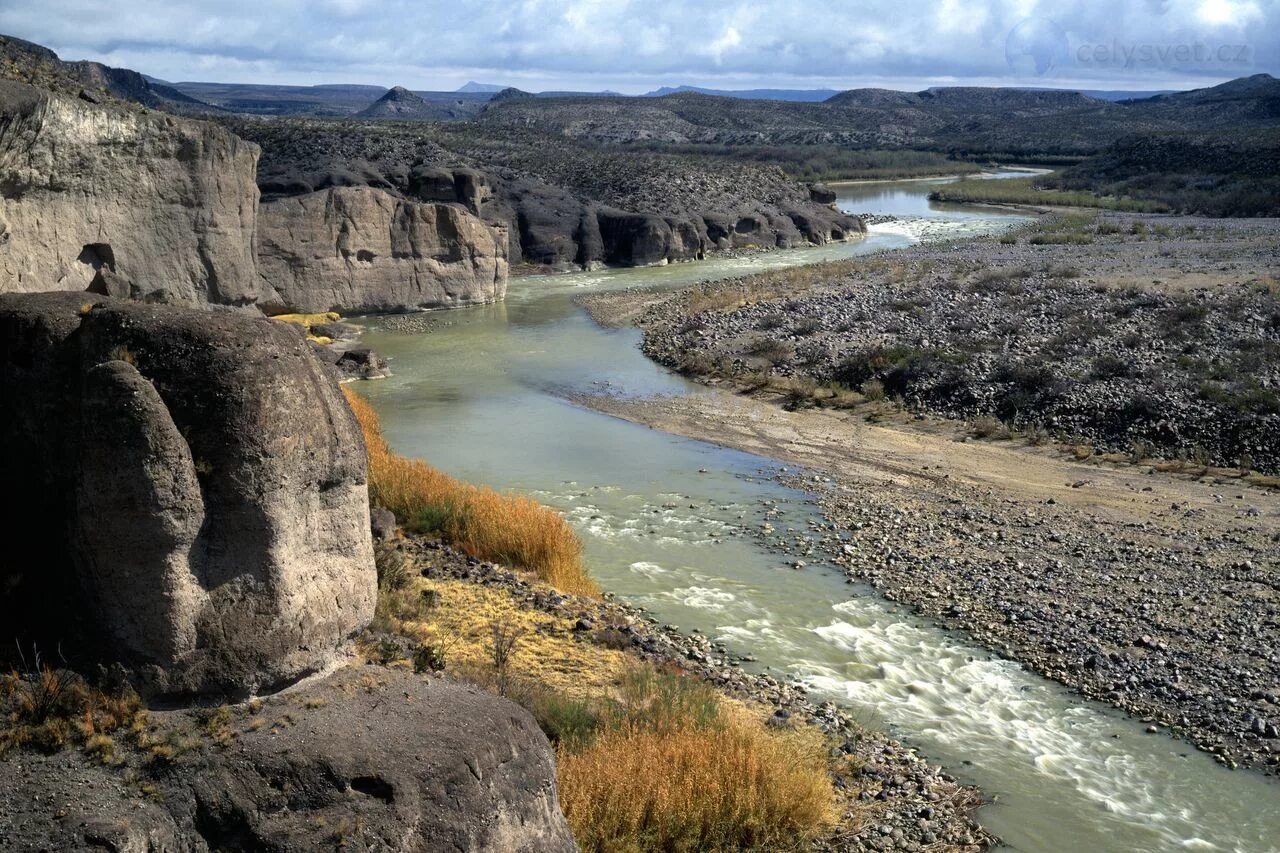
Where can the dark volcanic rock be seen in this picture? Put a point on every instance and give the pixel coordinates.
(197, 485)
(363, 760)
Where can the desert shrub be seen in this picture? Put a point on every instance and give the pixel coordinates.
(1140, 449)
(873, 389)
(697, 364)
(868, 363)
(695, 323)
(774, 352)
(429, 657)
(1029, 191)
(1110, 367)
(393, 566)
(1036, 434)
(1063, 272)
(1058, 238)
(999, 280)
(569, 722)
(1029, 387)
(807, 327)
(989, 427)
(491, 525)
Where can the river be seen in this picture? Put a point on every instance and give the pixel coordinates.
(665, 523)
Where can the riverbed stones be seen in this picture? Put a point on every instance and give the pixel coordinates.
(196, 485)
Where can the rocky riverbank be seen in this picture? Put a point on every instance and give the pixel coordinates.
(1155, 336)
(1149, 585)
(894, 800)
(1153, 592)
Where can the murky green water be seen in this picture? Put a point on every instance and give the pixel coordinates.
(664, 521)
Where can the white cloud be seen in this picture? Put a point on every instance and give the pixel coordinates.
(633, 46)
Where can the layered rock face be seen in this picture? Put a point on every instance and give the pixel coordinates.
(116, 201)
(197, 484)
(363, 249)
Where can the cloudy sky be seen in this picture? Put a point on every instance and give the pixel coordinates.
(635, 45)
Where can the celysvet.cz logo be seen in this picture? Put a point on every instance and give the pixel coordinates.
(1118, 54)
(1040, 45)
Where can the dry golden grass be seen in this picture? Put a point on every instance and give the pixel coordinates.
(306, 321)
(648, 759)
(506, 528)
(53, 709)
(732, 786)
(460, 622)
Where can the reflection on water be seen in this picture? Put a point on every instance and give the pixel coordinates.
(666, 524)
(911, 198)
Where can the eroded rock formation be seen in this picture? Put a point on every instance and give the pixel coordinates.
(363, 249)
(123, 202)
(197, 485)
(112, 200)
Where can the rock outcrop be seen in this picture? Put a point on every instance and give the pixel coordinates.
(376, 760)
(122, 202)
(108, 200)
(553, 227)
(197, 486)
(364, 249)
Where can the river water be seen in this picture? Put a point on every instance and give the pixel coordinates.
(665, 523)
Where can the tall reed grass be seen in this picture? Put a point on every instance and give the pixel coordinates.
(669, 768)
(506, 528)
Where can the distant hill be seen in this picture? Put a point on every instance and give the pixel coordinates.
(1037, 125)
(398, 102)
(473, 87)
(808, 95)
(749, 94)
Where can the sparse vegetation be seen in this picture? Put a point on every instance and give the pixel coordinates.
(1030, 191)
(506, 528)
(48, 709)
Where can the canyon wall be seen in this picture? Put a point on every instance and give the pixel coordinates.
(111, 199)
(123, 202)
(364, 250)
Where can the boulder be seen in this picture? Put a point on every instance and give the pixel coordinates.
(363, 249)
(822, 194)
(110, 200)
(366, 759)
(196, 485)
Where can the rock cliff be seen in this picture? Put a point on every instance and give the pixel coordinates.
(116, 201)
(197, 486)
(363, 249)
(123, 202)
